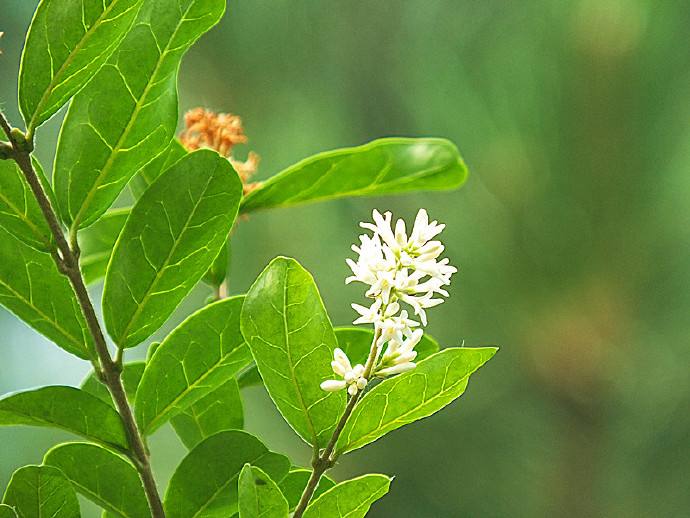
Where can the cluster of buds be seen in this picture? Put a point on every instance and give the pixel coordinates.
(220, 132)
(398, 270)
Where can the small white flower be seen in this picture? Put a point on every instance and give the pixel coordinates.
(353, 377)
(397, 269)
(369, 315)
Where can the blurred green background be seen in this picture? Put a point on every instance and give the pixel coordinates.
(571, 234)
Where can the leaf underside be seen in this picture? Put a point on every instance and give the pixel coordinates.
(384, 166)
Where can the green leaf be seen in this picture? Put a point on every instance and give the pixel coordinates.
(296, 480)
(398, 401)
(148, 174)
(41, 492)
(259, 496)
(128, 113)
(205, 482)
(356, 343)
(32, 288)
(384, 166)
(20, 213)
(97, 243)
(292, 341)
(67, 408)
(218, 411)
(101, 476)
(171, 237)
(131, 376)
(7, 512)
(68, 41)
(200, 355)
(349, 499)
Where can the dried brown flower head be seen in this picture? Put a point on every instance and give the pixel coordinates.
(220, 132)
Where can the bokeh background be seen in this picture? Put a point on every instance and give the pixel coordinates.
(572, 234)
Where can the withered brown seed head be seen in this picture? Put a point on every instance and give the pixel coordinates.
(220, 132)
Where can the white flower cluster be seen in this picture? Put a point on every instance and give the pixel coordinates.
(398, 269)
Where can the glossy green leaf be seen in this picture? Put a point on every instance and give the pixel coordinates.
(385, 166)
(68, 41)
(67, 408)
(292, 341)
(217, 411)
(205, 483)
(259, 496)
(7, 512)
(148, 174)
(171, 237)
(97, 243)
(296, 480)
(20, 214)
(349, 499)
(41, 492)
(131, 376)
(101, 476)
(400, 400)
(128, 112)
(201, 354)
(356, 343)
(32, 288)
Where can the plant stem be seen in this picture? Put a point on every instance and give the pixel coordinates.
(326, 459)
(67, 260)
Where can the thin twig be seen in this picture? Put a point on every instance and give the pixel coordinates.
(67, 260)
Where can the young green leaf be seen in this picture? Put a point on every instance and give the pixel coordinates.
(200, 355)
(296, 480)
(148, 174)
(20, 214)
(101, 476)
(68, 41)
(97, 242)
(395, 402)
(292, 341)
(349, 499)
(67, 408)
(171, 237)
(41, 491)
(384, 166)
(259, 496)
(32, 288)
(131, 376)
(356, 343)
(128, 112)
(218, 411)
(7, 512)
(205, 482)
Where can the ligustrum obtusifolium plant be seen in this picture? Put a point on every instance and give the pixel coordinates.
(116, 63)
